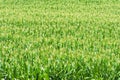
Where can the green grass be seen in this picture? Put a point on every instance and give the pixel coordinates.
(60, 39)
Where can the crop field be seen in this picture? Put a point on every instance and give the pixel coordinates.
(59, 39)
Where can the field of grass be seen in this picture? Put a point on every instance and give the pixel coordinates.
(60, 39)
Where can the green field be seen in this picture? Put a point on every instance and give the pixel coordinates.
(60, 39)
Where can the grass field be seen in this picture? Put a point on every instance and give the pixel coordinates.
(60, 39)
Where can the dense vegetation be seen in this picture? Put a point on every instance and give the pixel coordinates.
(60, 39)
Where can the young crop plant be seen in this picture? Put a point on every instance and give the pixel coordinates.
(59, 40)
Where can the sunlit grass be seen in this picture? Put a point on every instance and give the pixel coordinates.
(60, 40)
